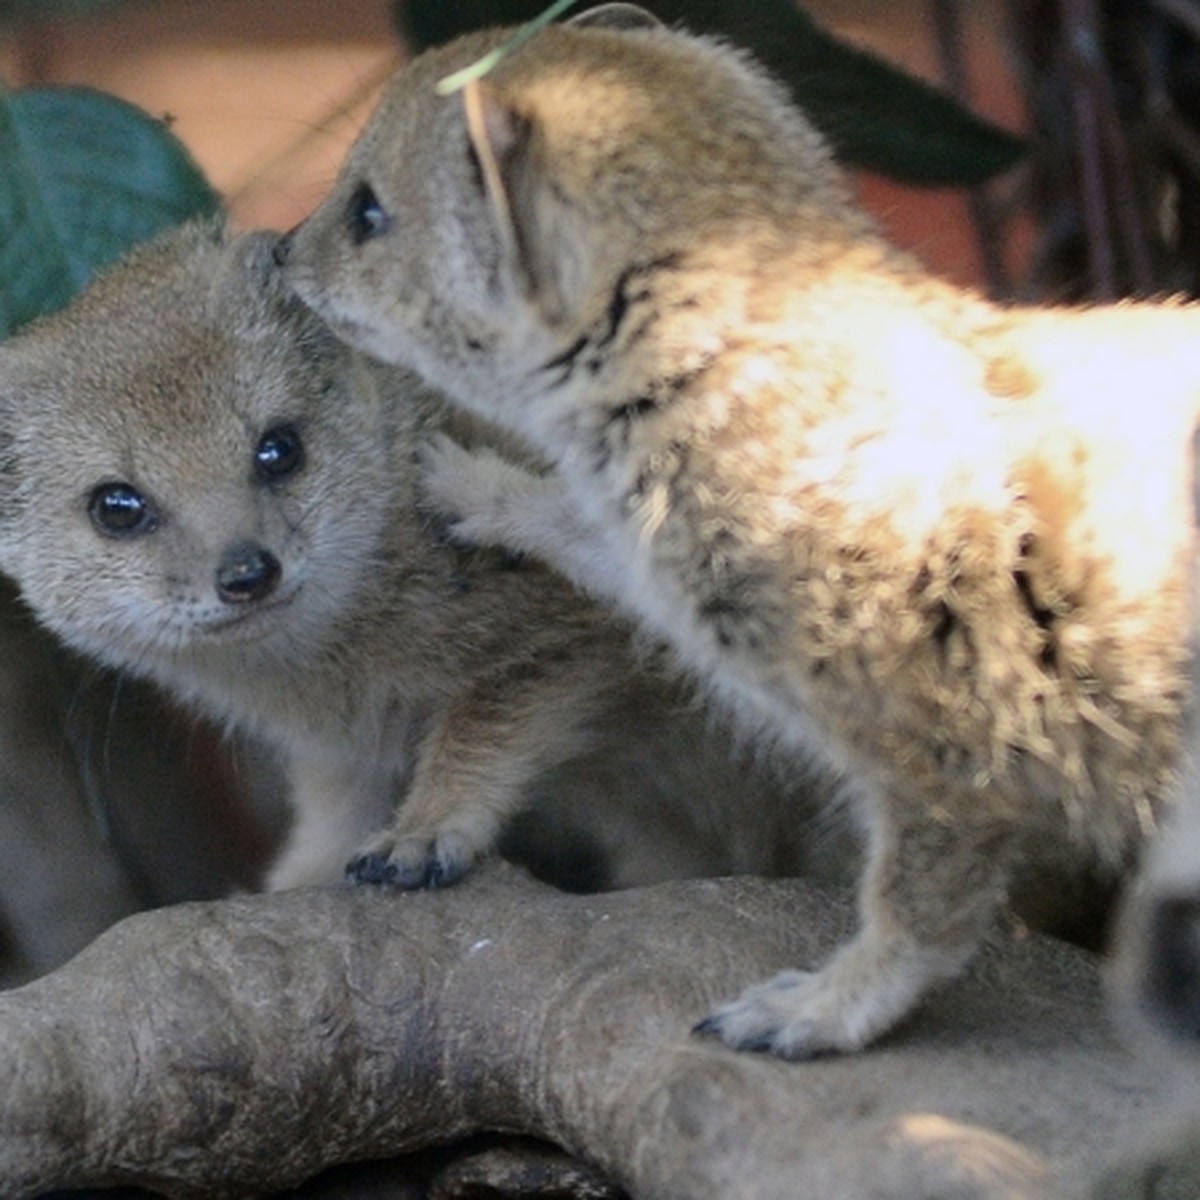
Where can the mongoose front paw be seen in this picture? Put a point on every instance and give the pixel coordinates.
(478, 494)
(410, 863)
(774, 1017)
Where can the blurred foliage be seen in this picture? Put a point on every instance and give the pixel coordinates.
(83, 176)
(1107, 192)
(1113, 91)
(14, 11)
(876, 115)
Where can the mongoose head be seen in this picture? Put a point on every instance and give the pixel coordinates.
(479, 236)
(181, 465)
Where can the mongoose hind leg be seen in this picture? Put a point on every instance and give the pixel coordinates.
(930, 892)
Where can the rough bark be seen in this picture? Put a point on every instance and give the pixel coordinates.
(239, 1047)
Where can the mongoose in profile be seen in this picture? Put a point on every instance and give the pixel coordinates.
(199, 484)
(943, 544)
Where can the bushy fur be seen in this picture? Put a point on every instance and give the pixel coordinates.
(383, 661)
(942, 544)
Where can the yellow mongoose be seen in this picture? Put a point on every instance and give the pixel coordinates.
(199, 484)
(943, 544)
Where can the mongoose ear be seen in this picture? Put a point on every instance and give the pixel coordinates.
(502, 139)
(257, 251)
(239, 268)
(499, 138)
(249, 283)
(252, 256)
(617, 16)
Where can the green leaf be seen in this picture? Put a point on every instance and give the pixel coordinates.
(83, 177)
(875, 114)
(880, 117)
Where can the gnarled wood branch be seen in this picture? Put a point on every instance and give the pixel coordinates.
(230, 1048)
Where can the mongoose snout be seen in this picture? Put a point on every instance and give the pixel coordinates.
(247, 572)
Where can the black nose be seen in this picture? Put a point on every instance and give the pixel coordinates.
(247, 572)
(282, 249)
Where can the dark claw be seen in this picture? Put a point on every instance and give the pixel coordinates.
(441, 526)
(378, 870)
(409, 879)
(763, 1044)
(282, 250)
(375, 870)
(443, 874)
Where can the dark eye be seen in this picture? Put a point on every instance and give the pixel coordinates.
(279, 454)
(120, 510)
(368, 218)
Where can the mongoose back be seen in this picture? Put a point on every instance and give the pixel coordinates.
(941, 543)
(199, 484)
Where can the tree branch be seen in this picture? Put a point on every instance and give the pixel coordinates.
(237, 1047)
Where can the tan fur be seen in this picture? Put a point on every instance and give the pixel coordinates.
(941, 543)
(384, 661)
(1157, 967)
